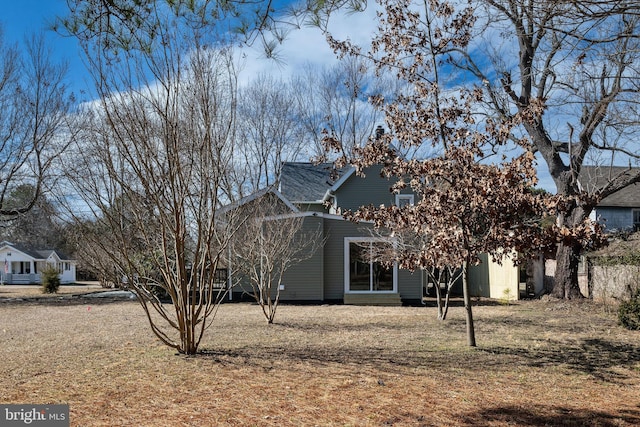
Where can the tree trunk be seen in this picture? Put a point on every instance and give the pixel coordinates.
(565, 282)
(471, 335)
(566, 276)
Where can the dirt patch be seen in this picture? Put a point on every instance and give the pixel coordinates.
(537, 363)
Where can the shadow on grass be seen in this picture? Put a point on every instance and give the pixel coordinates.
(379, 358)
(541, 415)
(595, 356)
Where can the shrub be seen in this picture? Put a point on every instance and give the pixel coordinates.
(629, 311)
(506, 297)
(50, 280)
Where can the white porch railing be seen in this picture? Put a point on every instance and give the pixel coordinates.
(20, 279)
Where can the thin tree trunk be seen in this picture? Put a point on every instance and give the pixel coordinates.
(471, 335)
(446, 302)
(436, 287)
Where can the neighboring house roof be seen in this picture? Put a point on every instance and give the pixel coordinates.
(47, 253)
(309, 182)
(593, 178)
(36, 254)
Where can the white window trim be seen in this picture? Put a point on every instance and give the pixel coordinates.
(408, 197)
(347, 270)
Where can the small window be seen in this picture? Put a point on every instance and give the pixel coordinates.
(404, 200)
(333, 207)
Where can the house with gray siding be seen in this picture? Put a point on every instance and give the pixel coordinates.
(619, 211)
(341, 270)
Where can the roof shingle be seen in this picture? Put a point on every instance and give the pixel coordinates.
(307, 182)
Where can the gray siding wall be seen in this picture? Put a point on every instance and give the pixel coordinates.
(311, 207)
(321, 277)
(359, 191)
(614, 218)
(410, 284)
(304, 281)
(336, 231)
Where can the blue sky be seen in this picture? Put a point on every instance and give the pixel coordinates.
(21, 18)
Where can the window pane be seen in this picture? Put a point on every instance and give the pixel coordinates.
(404, 200)
(366, 274)
(359, 267)
(382, 277)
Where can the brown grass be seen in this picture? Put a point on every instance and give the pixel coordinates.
(537, 363)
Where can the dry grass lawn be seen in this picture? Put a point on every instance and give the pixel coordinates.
(537, 364)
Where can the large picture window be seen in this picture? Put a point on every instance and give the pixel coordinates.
(362, 272)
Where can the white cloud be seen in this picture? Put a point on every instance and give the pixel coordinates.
(308, 45)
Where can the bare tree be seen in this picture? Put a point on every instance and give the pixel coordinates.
(37, 227)
(152, 172)
(407, 243)
(447, 276)
(268, 132)
(93, 254)
(336, 99)
(33, 129)
(555, 78)
(270, 241)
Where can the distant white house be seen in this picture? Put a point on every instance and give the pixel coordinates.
(20, 265)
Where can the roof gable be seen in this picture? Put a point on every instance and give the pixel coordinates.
(21, 248)
(315, 184)
(50, 255)
(255, 196)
